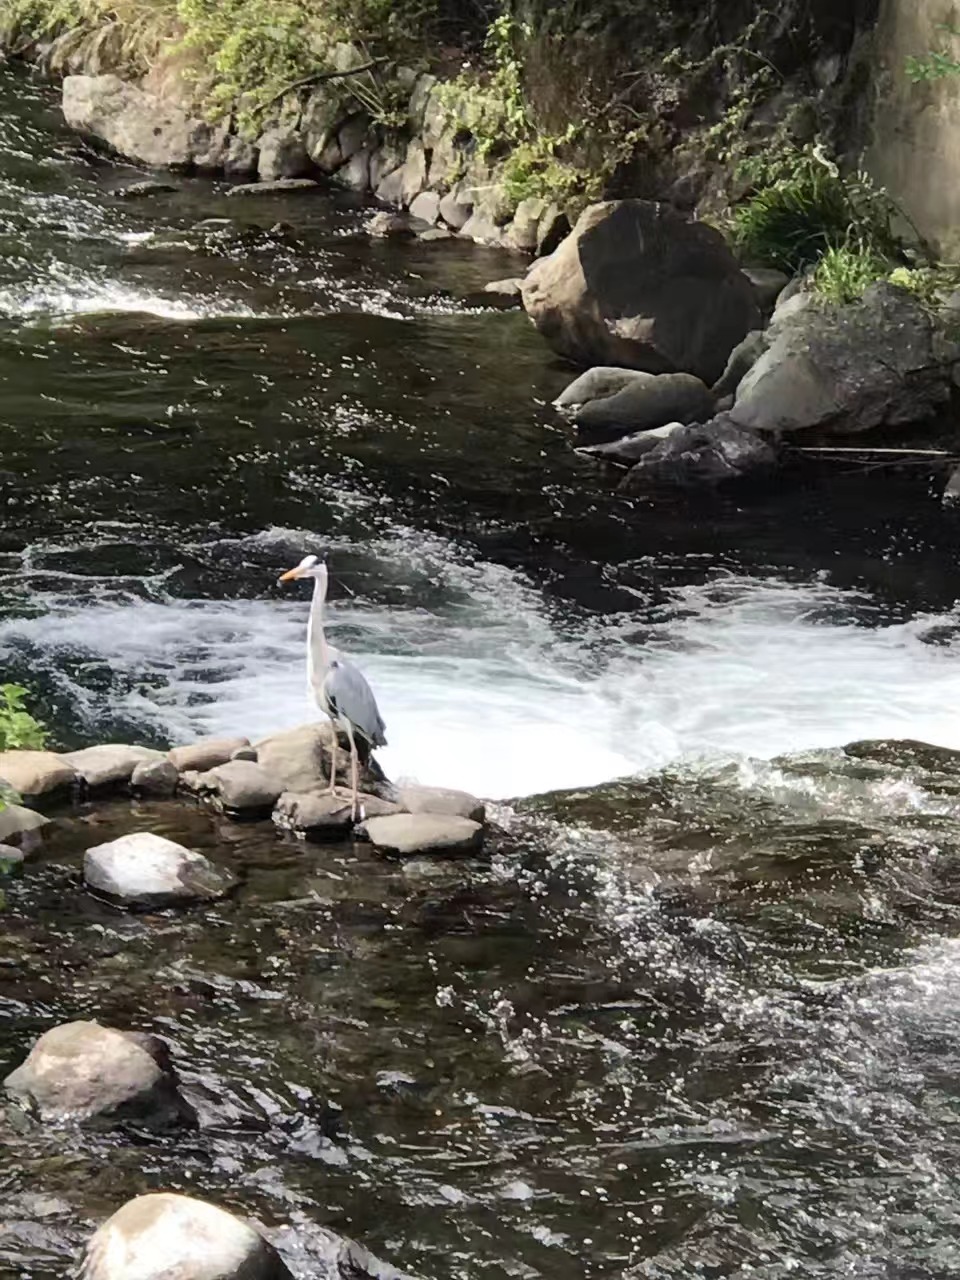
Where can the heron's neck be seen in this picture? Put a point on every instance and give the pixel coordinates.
(318, 652)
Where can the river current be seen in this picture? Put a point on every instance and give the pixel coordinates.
(702, 1020)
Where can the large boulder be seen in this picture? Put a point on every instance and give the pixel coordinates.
(141, 126)
(110, 763)
(300, 759)
(163, 1236)
(639, 285)
(33, 774)
(842, 370)
(85, 1072)
(282, 155)
(240, 787)
(651, 400)
(146, 870)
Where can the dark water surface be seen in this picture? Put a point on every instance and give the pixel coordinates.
(702, 1022)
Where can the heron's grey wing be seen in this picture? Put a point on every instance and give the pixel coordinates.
(348, 692)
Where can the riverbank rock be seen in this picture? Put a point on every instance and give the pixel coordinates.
(146, 870)
(35, 774)
(206, 754)
(651, 400)
(109, 763)
(240, 786)
(163, 1236)
(597, 384)
(411, 833)
(85, 1072)
(637, 284)
(277, 187)
(155, 778)
(22, 825)
(742, 359)
(281, 154)
(141, 126)
(701, 456)
(319, 816)
(843, 370)
(441, 800)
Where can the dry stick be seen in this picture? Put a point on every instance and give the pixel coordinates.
(317, 76)
(912, 453)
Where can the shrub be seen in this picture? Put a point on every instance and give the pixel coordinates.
(936, 64)
(19, 730)
(802, 207)
(845, 271)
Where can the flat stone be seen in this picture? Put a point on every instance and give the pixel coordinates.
(147, 870)
(163, 1236)
(442, 800)
(408, 833)
(17, 821)
(320, 815)
(280, 187)
(155, 778)
(241, 786)
(206, 754)
(36, 773)
(82, 1071)
(433, 234)
(136, 190)
(110, 762)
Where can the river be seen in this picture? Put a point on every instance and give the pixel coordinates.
(704, 1021)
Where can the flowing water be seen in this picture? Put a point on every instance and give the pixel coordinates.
(703, 1021)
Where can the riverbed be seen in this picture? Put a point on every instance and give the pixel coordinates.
(700, 1022)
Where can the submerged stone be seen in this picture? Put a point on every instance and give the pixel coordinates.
(163, 1236)
(86, 1072)
(147, 870)
(280, 187)
(408, 833)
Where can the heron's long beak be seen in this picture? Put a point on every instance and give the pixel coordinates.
(290, 575)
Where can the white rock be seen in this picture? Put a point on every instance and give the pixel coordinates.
(83, 1071)
(147, 870)
(155, 778)
(35, 773)
(423, 833)
(110, 762)
(443, 800)
(205, 754)
(173, 1237)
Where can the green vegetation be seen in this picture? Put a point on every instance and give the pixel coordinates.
(802, 208)
(19, 730)
(935, 64)
(845, 271)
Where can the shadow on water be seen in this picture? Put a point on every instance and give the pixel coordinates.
(700, 1021)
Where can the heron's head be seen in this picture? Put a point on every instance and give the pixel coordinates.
(309, 567)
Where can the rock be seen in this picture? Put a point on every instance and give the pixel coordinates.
(408, 833)
(147, 870)
(163, 1236)
(481, 229)
(206, 754)
(597, 384)
(279, 187)
(241, 786)
(18, 823)
(241, 158)
(244, 753)
(135, 190)
(522, 232)
(354, 136)
(552, 229)
(355, 174)
(282, 155)
(639, 285)
(85, 1072)
(742, 359)
(384, 160)
(109, 763)
(951, 498)
(10, 858)
(768, 284)
(140, 126)
(417, 108)
(426, 206)
(318, 815)
(36, 773)
(300, 760)
(628, 450)
(443, 800)
(394, 226)
(433, 234)
(662, 398)
(155, 778)
(506, 289)
(697, 456)
(454, 213)
(843, 370)
(413, 173)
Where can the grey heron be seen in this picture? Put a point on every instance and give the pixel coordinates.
(339, 688)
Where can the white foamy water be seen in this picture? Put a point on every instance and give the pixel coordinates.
(493, 693)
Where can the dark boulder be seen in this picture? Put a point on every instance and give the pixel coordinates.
(702, 456)
(643, 404)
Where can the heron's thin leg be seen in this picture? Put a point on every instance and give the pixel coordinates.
(333, 760)
(354, 770)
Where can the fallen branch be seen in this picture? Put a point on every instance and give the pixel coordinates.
(317, 76)
(905, 453)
